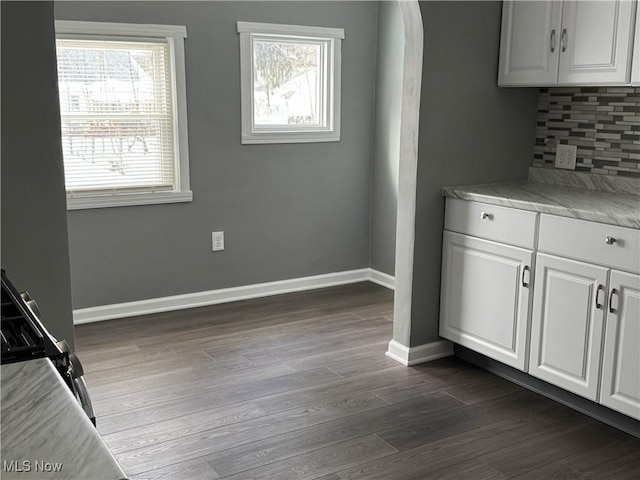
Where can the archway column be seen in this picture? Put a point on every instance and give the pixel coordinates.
(400, 348)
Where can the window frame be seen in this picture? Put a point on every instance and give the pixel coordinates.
(331, 39)
(174, 36)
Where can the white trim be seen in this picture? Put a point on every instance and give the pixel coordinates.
(127, 199)
(424, 353)
(292, 137)
(331, 41)
(174, 36)
(297, 30)
(408, 170)
(224, 295)
(382, 279)
(72, 27)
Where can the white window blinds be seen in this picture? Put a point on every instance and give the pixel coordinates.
(117, 113)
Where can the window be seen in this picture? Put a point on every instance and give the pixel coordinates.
(123, 113)
(290, 83)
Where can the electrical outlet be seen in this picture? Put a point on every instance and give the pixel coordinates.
(217, 241)
(566, 156)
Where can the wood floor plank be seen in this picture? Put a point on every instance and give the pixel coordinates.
(421, 463)
(552, 471)
(319, 462)
(181, 428)
(196, 469)
(248, 432)
(198, 401)
(273, 449)
(524, 457)
(298, 386)
(304, 396)
(159, 388)
(427, 429)
(618, 457)
(212, 380)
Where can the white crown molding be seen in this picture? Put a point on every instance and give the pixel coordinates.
(423, 353)
(224, 295)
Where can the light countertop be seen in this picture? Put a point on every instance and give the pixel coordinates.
(580, 201)
(45, 432)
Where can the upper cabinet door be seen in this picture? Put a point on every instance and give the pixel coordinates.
(529, 47)
(596, 42)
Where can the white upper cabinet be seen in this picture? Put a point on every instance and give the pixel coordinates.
(596, 42)
(529, 46)
(566, 42)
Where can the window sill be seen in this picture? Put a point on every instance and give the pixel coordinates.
(127, 199)
(290, 138)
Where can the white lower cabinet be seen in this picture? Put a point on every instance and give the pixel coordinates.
(620, 388)
(567, 324)
(485, 299)
(581, 329)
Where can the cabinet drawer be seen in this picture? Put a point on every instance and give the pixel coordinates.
(506, 225)
(592, 242)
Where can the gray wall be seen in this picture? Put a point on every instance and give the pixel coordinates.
(386, 146)
(34, 221)
(287, 210)
(471, 131)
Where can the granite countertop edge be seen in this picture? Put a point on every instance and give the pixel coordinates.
(620, 209)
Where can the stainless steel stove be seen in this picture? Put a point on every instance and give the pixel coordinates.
(23, 337)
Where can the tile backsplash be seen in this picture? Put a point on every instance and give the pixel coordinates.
(603, 122)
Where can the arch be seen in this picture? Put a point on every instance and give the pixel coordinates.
(407, 179)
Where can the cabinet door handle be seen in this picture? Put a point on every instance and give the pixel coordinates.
(552, 40)
(600, 289)
(524, 271)
(563, 40)
(611, 309)
(610, 240)
(486, 216)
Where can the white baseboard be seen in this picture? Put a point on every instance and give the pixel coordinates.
(423, 353)
(224, 295)
(383, 279)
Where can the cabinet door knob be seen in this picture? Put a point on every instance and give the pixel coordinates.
(598, 303)
(486, 216)
(552, 40)
(610, 240)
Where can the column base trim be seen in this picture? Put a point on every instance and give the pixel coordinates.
(423, 353)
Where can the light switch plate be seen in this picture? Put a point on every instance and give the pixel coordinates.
(566, 156)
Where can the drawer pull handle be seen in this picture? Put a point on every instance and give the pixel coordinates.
(610, 240)
(524, 271)
(486, 216)
(599, 304)
(611, 309)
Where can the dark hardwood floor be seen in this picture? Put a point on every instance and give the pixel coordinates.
(298, 387)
